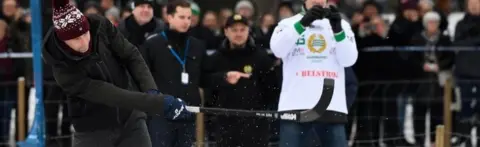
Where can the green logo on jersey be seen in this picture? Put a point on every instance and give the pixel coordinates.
(301, 40)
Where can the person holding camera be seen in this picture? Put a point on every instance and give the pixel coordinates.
(369, 31)
(314, 41)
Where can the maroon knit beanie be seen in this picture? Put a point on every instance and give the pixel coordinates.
(408, 4)
(68, 21)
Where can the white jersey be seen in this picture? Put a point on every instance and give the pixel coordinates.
(309, 55)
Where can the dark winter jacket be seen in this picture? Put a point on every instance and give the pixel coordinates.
(137, 34)
(99, 95)
(248, 93)
(467, 33)
(402, 30)
(444, 59)
(400, 35)
(383, 61)
(167, 70)
(417, 59)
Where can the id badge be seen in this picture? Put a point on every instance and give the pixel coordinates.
(184, 78)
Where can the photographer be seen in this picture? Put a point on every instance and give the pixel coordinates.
(371, 31)
(368, 26)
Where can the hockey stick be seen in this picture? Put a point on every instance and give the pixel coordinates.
(299, 116)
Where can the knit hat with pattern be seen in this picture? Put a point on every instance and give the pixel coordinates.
(68, 21)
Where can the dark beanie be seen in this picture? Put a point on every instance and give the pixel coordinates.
(68, 21)
(408, 4)
(139, 2)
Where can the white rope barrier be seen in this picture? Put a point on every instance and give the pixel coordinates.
(16, 55)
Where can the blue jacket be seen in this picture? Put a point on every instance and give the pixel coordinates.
(351, 86)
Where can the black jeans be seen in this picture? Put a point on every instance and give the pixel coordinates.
(8, 96)
(134, 133)
(469, 93)
(428, 99)
(470, 97)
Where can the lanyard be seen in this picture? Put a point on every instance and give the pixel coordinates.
(184, 61)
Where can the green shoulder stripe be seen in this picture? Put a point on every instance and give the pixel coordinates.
(299, 28)
(340, 36)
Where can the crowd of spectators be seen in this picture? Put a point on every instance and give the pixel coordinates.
(416, 23)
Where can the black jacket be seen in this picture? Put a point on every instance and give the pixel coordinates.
(402, 30)
(417, 59)
(248, 94)
(167, 70)
(399, 35)
(467, 33)
(96, 84)
(383, 61)
(137, 34)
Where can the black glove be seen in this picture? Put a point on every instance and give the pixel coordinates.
(173, 108)
(314, 13)
(335, 19)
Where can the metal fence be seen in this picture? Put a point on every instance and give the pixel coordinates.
(376, 116)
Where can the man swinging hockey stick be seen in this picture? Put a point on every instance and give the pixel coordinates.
(299, 116)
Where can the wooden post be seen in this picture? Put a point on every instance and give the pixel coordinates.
(439, 137)
(200, 124)
(200, 130)
(21, 130)
(447, 112)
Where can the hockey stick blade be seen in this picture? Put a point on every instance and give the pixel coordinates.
(299, 116)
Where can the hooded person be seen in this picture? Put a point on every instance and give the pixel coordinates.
(90, 61)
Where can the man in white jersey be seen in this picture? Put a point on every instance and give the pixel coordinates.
(314, 45)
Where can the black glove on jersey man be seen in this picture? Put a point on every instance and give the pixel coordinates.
(335, 20)
(316, 12)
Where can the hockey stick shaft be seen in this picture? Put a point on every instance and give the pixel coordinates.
(302, 116)
(287, 115)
